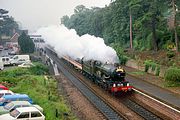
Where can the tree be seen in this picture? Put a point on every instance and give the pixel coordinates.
(64, 20)
(148, 23)
(26, 43)
(7, 24)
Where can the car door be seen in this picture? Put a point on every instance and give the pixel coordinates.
(23, 116)
(36, 115)
(20, 61)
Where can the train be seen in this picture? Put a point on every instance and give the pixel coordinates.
(110, 77)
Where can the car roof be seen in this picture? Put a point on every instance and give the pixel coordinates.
(16, 95)
(5, 57)
(2, 86)
(6, 91)
(20, 102)
(27, 109)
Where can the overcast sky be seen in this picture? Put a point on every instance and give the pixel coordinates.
(32, 14)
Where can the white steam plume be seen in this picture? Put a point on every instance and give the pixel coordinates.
(67, 42)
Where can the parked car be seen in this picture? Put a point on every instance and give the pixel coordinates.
(12, 53)
(26, 64)
(1, 65)
(5, 92)
(23, 113)
(5, 48)
(19, 59)
(5, 60)
(2, 87)
(1, 48)
(16, 104)
(16, 97)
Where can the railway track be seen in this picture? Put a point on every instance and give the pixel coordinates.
(136, 107)
(110, 111)
(102, 106)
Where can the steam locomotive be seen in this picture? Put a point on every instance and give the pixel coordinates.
(111, 77)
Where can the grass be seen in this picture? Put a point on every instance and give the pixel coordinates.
(136, 73)
(171, 84)
(43, 91)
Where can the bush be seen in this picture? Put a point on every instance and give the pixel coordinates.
(123, 59)
(39, 69)
(154, 66)
(170, 54)
(147, 65)
(14, 72)
(157, 70)
(172, 74)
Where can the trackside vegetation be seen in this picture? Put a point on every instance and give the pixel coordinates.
(40, 87)
(172, 76)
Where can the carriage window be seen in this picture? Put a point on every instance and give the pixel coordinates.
(24, 115)
(16, 57)
(7, 93)
(36, 114)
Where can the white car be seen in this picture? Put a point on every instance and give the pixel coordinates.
(12, 53)
(23, 113)
(16, 104)
(5, 92)
(5, 60)
(26, 64)
(1, 65)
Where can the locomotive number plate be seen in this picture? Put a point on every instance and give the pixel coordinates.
(124, 88)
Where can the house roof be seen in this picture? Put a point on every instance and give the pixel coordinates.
(15, 37)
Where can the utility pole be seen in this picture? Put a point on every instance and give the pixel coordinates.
(131, 41)
(174, 25)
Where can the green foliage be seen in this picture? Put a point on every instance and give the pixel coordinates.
(23, 80)
(157, 70)
(170, 54)
(35, 88)
(123, 59)
(8, 24)
(14, 72)
(136, 73)
(172, 74)
(154, 67)
(14, 75)
(26, 43)
(149, 21)
(38, 69)
(147, 65)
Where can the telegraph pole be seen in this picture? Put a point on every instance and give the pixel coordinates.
(174, 26)
(131, 39)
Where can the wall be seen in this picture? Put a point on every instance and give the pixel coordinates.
(140, 66)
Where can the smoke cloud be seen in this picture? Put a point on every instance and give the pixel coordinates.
(67, 43)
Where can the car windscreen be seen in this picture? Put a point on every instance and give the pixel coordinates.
(14, 113)
(8, 106)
